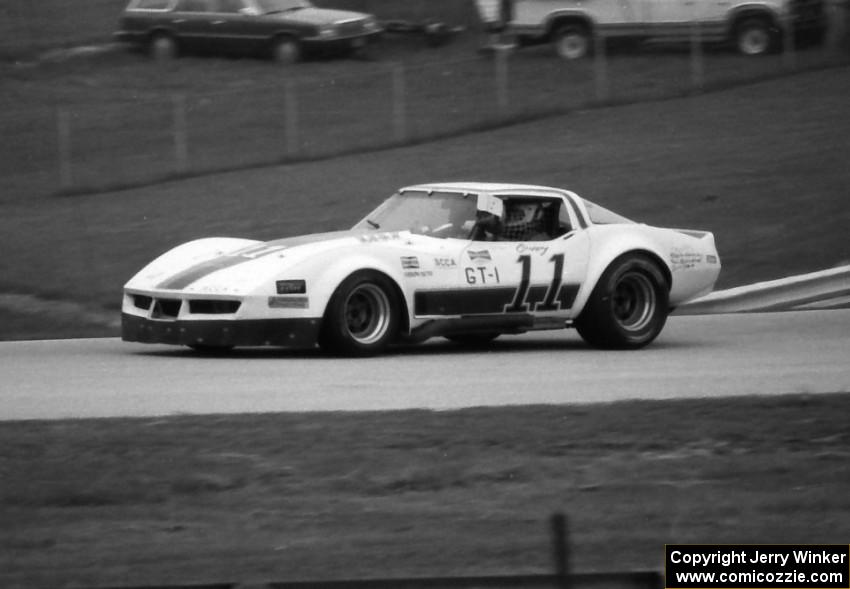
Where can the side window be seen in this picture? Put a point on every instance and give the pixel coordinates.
(564, 223)
(193, 6)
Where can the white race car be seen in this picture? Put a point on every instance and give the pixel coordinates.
(466, 261)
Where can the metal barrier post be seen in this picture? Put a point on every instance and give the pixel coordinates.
(63, 128)
(502, 80)
(600, 68)
(181, 141)
(399, 104)
(697, 64)
(561, 549)
(290, 118)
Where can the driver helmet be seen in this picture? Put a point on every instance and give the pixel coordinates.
(521, 221)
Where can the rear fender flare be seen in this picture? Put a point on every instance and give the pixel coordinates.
(600, 259)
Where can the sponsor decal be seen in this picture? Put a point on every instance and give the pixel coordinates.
(409, 262)
(445, 263)
(289, 302)
(682, 259)
(479, 255)
(525, 248)
(418, 273)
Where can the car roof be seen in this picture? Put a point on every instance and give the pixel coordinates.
(491, 187)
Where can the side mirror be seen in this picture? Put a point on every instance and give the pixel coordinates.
(487, 203)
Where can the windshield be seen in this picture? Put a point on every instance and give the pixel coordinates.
(267, 6)
(436, 214)
(602, 216)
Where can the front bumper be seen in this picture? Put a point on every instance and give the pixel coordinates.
(290, 333)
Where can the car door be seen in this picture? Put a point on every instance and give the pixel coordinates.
(191, 22)
(236, 26)
(538, 276)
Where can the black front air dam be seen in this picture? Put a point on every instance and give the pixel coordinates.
(290, 333)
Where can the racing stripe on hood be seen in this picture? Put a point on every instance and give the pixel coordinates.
(198, 271)
(203, 269)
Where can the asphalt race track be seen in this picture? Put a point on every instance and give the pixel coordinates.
(708, 355)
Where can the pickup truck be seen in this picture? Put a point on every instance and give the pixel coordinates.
(754, 27)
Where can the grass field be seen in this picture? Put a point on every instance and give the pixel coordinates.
(414, 493)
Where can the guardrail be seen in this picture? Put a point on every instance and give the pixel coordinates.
(561, 578)
(827, 289)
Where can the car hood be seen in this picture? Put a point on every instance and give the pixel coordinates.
(224, 266)
(318, 16)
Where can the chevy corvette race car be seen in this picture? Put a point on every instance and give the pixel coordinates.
(466, 261)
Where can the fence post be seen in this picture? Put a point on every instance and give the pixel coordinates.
(789, 51)
(63, 136)
(399, 104)
(561, 549)
(290, 118)
(600, 68)
(697, 64)
(501, 61)
(181, 140)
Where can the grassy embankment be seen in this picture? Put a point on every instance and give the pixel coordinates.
(414, 493)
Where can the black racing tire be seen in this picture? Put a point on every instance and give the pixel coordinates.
(756, 36)
(572, 41)
(286, 50)
(163, 47)
(473, 339)
(362, 316)
(628, 306)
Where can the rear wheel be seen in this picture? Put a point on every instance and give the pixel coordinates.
(362, 317)
(755, 36)
(162, 47)
(286, 50)
(572, 41)
(628, 307)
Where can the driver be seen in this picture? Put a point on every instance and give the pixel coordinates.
(523, 222)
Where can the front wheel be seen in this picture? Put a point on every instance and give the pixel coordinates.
(628, 307)
(572, 42)
(755, 36)
(362, 317)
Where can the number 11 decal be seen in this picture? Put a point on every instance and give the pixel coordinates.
(550, 301)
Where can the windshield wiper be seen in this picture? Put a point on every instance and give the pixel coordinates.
(373, 224)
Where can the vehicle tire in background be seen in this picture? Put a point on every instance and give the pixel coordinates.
(572, 41)
(362, 316)
(162, 47)
(286, 50)
(756, 36)
(628, 306)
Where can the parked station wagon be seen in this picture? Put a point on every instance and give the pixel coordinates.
(281, 29)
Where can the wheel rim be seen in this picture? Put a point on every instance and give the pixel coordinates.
(367, 313)
(572, 46)
(753, 41)
(634, 301)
